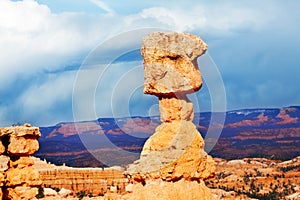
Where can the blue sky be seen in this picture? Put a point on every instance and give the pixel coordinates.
(47, 46)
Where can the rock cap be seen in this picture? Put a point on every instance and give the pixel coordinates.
(170, 63)
(20, 131)
(173, 44)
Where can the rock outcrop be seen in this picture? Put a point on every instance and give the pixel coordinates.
(173, 164)
(19, 180)
(96, 181)
(259, 178)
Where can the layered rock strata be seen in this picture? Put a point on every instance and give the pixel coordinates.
(95, 181)
(19, 179)
(173, 163)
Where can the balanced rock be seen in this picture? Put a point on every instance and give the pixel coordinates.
(173, 163)
(170, 63)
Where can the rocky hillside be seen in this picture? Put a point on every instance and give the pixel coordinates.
(248, 178)
(266, 133)
(257, 178)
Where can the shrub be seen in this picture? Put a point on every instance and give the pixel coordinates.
(81, 194)
(40, 192)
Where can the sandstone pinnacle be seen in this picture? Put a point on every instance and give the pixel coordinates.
(174, 155)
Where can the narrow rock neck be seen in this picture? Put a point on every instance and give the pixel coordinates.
(175, 108)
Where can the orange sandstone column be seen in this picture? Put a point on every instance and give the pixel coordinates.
(173, 163)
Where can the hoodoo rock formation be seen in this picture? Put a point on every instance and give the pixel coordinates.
(19, 179)
(173, 163)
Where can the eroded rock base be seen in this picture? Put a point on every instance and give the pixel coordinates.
(175, 151)
(180, 190)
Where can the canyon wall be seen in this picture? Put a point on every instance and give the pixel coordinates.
(96, 181)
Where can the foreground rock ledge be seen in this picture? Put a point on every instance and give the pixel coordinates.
(20, 180)
(173, 163)
(180, 190)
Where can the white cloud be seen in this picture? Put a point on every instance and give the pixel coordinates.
(102, 5)
(33, 39)
(206, 18)
(106, 90)
(44, 98)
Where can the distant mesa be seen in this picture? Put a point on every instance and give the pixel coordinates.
(245, 132)
(259, 121)
(286, 118)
